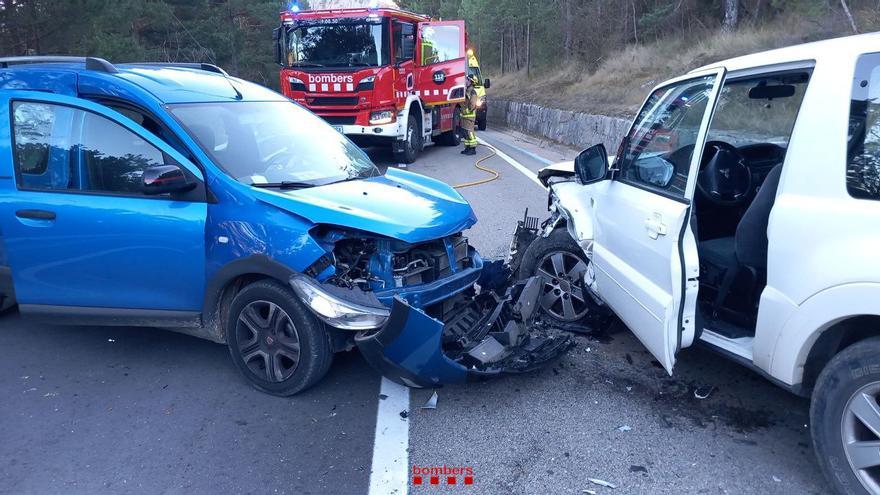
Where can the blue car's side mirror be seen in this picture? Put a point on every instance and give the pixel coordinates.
(591, 165)
(165, 179)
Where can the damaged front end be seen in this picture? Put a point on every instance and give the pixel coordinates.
(430, 313)
(473, 337)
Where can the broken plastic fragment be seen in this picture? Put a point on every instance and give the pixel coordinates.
(599, 482)
(488, 351)
(588, 491)
(624, 428)
(704, 392)
(432, 402)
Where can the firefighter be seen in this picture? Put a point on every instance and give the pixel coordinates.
(469, 117)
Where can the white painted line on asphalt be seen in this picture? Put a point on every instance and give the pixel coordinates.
(515, 164)
(389, 474)
(530, 154)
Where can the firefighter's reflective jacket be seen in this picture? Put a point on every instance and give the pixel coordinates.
(469, 112)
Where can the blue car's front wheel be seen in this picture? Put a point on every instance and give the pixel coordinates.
(275, 341)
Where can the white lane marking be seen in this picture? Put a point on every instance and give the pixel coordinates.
(530, 154)
(515, 164)
(389, 474)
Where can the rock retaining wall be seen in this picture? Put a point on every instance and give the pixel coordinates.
(580, 130)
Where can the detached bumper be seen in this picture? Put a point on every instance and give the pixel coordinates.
(483, 336)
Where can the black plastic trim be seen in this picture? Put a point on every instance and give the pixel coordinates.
(7, 288)
(36, 214)
(80, 315)
(797, 389)
(257, 264)
(91, 63)
(684, 278)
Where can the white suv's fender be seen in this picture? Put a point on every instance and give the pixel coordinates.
(815, 315)
(574, 203)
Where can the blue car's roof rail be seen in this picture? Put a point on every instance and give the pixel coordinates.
(186, 65)
(91, 63)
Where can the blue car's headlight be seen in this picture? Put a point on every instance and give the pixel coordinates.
(337, 312)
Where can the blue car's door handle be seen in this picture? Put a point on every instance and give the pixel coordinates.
(36, 214)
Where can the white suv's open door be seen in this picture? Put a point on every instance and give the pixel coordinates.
(644, 255)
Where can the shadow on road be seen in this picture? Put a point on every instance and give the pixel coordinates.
(100, 409)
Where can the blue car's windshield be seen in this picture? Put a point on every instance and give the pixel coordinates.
(273, 143)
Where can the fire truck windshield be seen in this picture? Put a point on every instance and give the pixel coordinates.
(267, 143)
(349, 44)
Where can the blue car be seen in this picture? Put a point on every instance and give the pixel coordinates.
(176, 196)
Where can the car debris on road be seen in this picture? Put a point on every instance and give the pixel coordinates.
(474, 335)
(604, 483)
(431, 402)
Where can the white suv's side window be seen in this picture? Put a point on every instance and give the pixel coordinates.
(658, 150)
(863, 160)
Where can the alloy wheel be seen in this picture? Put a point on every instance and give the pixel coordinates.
(860, 432)
(563, 297)
(268, 342)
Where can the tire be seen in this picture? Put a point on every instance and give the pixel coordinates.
(565, 283)
(850, 383)
(6, 303)
(413, 143)
(258, 337)
(481, 123)
(453, 137)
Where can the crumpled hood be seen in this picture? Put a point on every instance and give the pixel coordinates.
(401, 205)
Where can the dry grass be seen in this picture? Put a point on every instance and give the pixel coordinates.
(620, 82)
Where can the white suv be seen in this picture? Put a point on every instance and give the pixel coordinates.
(743, 211)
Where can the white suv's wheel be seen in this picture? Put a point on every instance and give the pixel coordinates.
(845, 417)
(561, 264)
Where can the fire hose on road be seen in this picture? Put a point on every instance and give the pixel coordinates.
(495, 174)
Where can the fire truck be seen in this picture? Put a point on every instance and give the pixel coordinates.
(380, 76)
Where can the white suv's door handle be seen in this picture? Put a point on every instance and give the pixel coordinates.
(655, 226)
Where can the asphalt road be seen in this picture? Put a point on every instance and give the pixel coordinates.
(109, 410)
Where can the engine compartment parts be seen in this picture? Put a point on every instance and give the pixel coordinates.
(421, 273)
(472, 336)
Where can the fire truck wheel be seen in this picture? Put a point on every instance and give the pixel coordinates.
(408, 150)
(453, 137)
